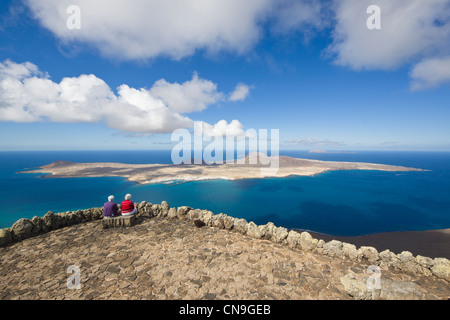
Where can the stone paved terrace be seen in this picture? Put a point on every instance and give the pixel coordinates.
(161, 258)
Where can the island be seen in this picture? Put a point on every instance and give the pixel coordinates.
(251, 167)
(329, 151)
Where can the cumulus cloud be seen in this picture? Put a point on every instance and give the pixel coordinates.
(223, 128)
(150, 28)
(430, 73)
(409, 29)
(240, 93)
(174, 28)
(190, 96)
(29, 95)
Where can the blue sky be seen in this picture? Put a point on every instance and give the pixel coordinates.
(131, 74)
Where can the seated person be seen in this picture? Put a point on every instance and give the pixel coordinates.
(128, 207)
(110, 208)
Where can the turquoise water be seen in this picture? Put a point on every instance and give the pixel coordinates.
(337, 203)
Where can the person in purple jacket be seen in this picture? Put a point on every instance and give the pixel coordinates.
(110, 208)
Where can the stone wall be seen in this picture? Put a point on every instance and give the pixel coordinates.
(404, 261)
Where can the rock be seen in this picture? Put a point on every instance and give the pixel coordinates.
(279, 234)
(48, 218)
(141, 205)
(164, 208)
(217, 221)
(76, 219)
(98, 213)
(441, 268)
(267, 230)
(389, 259)
(333, 248)
(369, 253)
(5, 237)
(356, 288)
(38, 225)
(307, 242)
(63, 219)
(182, 211)
(172, 213)
(22, 229)
(72, 218)
(228, 222)
(195, 214)
(350, 251)
(320, 244)
(199, 223)
(254, 231)
(424, 261)
(241, 225)
(156, 210)
(408, 262)
(79, 216)
(207, 218)
(398, 290)
(405, 256)
(293, 239)
(88, 214)
(146, 210)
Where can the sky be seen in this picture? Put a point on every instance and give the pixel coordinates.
(123, 75)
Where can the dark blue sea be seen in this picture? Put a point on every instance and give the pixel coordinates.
(340, 203)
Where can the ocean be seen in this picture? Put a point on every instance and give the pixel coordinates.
(339, 203)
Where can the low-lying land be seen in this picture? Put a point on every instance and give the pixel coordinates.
(250, 169)
(167, 256)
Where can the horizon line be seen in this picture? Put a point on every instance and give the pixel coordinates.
(313, 151)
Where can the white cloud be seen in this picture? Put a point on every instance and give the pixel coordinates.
(409, 29)
(28, 95)
(143, 29)
(193, 95)
(222, 128)
(10, 69)
(430, 73)
(240, 93)
(298, 15)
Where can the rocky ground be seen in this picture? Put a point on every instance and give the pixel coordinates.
(161, 258)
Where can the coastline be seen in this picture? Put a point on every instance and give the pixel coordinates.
(429, 243)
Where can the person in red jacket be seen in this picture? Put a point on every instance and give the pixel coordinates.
(128, 207)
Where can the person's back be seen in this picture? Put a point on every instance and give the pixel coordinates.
(128, 206)
(110, 208)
